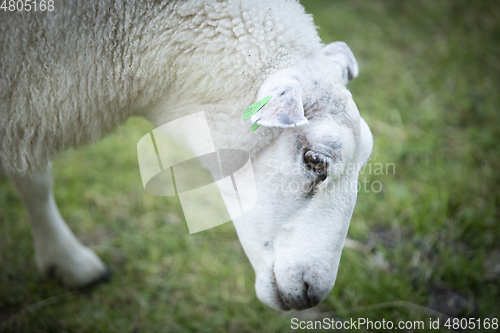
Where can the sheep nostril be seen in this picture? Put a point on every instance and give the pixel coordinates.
(306, 293)
(310, 295)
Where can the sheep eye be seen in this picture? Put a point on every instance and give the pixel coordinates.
(316, 162)
(312, 158)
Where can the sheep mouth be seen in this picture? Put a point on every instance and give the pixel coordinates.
(280, 301)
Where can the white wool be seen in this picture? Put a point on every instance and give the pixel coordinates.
(70, 76)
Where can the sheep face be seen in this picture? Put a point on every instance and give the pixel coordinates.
(306, 180)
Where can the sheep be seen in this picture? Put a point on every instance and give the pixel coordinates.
(71, 75)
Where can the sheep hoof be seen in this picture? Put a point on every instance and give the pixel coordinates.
(77, 268)
(104, 278)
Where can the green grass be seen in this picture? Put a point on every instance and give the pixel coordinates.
(428, 88)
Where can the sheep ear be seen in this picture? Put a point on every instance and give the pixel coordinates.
(285, 108)
(343, 58)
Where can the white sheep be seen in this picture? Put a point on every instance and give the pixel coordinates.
(71, 75)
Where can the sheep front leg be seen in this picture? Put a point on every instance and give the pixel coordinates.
(57, 251)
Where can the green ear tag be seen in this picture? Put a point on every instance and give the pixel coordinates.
(254, 127)
(253, 109)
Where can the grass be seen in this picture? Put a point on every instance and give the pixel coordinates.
(428, 241)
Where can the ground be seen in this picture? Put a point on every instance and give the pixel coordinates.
(424, 246)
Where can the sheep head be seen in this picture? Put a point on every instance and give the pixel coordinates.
(306, 179)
